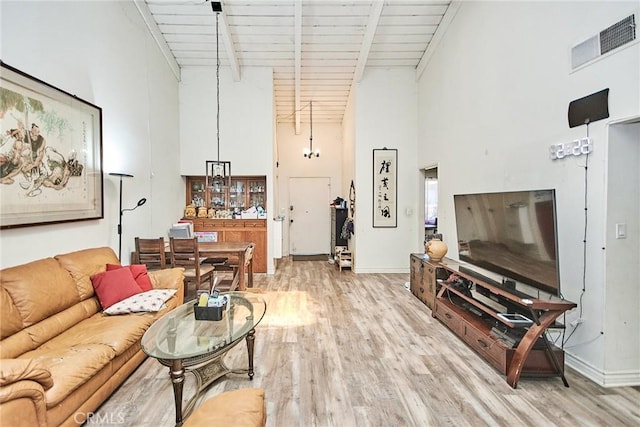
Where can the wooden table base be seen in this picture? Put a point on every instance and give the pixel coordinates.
(205, 374)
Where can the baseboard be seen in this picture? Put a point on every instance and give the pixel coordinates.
(403, 270)
(605, 379)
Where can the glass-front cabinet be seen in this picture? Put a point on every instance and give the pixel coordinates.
(237, 195)
(243, 193)
(216, 196)
(196, 194)
(223, 213)
(256, 194)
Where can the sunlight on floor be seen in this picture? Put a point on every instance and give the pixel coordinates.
(288, 310)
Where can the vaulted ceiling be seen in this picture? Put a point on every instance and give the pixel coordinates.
(318, 49)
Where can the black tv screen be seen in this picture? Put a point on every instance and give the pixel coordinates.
(512, 234)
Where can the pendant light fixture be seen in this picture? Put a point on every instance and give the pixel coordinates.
(218, 172)
(310, 153)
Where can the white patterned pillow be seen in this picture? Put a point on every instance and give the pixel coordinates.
(148, 301)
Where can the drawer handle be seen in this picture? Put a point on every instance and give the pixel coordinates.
(482, 343)
(422, 290)
(447, 315)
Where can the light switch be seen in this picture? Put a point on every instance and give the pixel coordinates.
(621, 231)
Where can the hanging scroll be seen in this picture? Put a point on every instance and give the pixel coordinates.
(385, 191)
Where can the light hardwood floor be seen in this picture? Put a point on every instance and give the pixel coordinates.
(340, 349)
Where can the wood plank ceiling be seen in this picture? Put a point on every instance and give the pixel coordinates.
(318, 49)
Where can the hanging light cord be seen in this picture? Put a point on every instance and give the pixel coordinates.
(310, 128)
(217, 88)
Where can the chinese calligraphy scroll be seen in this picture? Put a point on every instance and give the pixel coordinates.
(385, 197)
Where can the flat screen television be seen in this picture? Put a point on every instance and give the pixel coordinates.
(512, 234)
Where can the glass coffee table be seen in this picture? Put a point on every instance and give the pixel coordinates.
(185, 344)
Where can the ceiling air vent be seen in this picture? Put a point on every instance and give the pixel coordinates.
(609, 39)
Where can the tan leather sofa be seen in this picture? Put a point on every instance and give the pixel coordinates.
(60, 356)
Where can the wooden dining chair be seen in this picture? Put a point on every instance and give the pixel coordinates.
(232, 284)
(184, 253)
(151, 252)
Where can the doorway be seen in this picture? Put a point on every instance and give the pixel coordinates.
(430, 201)
(309, 216)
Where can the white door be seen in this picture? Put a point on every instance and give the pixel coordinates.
(309, 216)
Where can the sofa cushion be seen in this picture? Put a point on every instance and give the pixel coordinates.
(116, 332)
(139, 272)
(84, 264)
(113, 286)
(36, 335)
(10, 318)
(150, 301)
(71, 367)
(35, 291)
(24, 369)
(77, 354)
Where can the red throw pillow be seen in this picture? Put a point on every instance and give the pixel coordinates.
(114, 286)
(139, 272)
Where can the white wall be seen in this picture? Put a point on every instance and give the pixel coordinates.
(494, 97)
(246, 120)
(327, 137)
(386, 116)
(622, 299)
(102, 52)
(246, 127)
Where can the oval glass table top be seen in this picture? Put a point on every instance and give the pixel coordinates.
(178, 335)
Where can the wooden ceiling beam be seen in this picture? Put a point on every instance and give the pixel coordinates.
(158, 37)
(297, 29)
(232, 56)
(367, 41)
(446, 20)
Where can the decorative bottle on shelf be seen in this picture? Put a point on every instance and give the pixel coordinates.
(436, 249)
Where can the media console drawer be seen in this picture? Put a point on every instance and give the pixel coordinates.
(494, 350)
(449, 318)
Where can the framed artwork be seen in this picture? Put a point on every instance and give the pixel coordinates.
(50, 153)
(385, 188)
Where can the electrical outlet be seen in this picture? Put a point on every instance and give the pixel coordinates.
(576, 322)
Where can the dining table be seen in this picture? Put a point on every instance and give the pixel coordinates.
(231, 249)
(223, 250)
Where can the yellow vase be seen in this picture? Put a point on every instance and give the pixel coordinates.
(436, 249)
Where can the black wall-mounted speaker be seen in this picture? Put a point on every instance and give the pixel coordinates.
(589, 109)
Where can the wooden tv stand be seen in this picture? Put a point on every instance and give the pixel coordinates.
(511, 348)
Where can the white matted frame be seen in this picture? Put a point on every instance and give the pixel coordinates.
(385, 188)
(50, 153)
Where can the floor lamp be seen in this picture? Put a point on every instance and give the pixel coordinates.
(121, 211)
